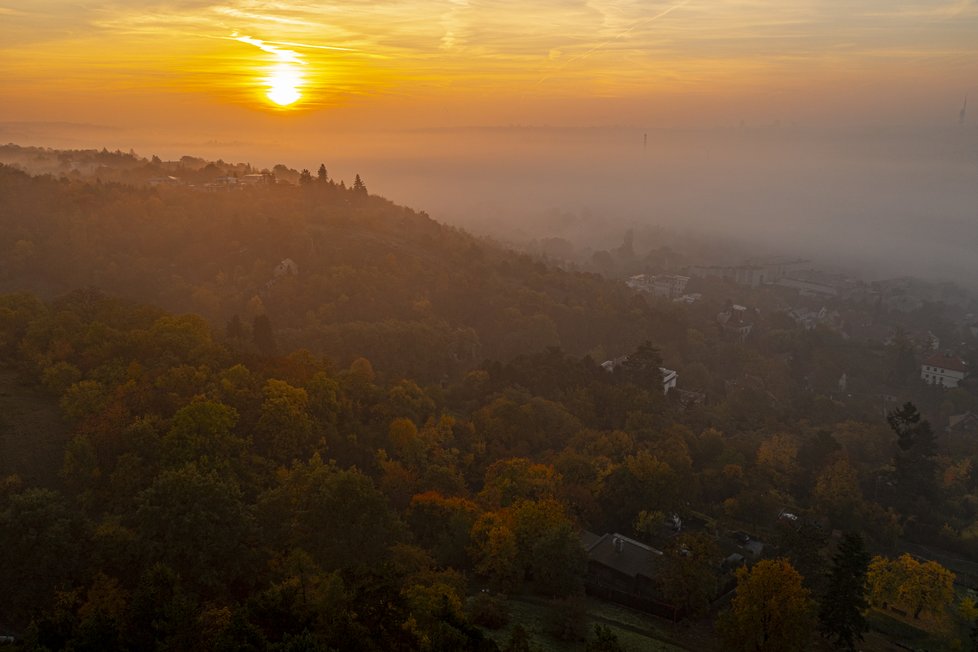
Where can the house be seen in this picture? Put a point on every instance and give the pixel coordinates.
(257, 179)
(734, 322)
(962, 424)
(623, 570)
(640, 282)
(749, 275)
(163, 181)
(943, 369)
(669, 285)
(662, 285)
(286, 267)
(669, 376)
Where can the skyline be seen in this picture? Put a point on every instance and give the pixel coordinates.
(420, 63)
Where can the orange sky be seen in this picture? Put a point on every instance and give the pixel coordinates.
(410, 63)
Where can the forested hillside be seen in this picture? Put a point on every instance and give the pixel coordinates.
(401, 441)
(370, 278)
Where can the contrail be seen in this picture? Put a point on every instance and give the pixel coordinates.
(288, 56)
(632, 28)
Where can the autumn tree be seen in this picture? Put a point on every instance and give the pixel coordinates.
(285, 430)
(908, 583)
(771, 611)
(841, 608)
(689, 571)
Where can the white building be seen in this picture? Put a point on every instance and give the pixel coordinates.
(943, 369)
(669, 376)
(669, 379)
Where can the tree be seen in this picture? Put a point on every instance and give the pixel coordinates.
(235, 329)
(916, 468)
(913, 585)
(840, 614)
(305, 178)
(604, 640)
(642, 367)
(262, 336)
(285, 430)
(197, 524)
(359, 186)
(771, 611)
(689, 577)
(337, 515)
(321, 174)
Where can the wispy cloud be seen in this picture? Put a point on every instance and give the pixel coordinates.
(414, 47)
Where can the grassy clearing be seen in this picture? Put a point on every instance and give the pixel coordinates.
(635, 631)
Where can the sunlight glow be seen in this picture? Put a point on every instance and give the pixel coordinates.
(284, 78)
(284, 81)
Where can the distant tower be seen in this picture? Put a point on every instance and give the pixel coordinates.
(964, 110)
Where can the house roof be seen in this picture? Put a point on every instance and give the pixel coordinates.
(964, 421)
(627, 556)
(946, 361)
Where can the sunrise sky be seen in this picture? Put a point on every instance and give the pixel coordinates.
(419, 63)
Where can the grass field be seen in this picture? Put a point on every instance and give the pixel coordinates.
(635, 631)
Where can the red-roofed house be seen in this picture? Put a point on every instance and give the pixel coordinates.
(943, 369)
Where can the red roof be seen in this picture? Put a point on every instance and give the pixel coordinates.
(946, 361)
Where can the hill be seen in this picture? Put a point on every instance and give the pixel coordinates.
(364, 277)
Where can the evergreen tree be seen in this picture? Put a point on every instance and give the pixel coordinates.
(305, 178)
(916, 468)
(262, 336)
(359, 186)
(235, 330)
(519, 641)
(321, 174)
(840, 614)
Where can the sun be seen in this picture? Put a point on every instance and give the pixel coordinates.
(284, 81)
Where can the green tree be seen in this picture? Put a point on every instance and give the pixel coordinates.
(771, 611)
(337, 515)
(285, 430)
(604, 640)
(915, 463)
(519, 640)
(842, 606)
(689, 572)
(203, 429)
(262, 335)
(196, 523)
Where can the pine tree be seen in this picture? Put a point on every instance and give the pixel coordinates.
(916, 468)
(840, 614)
(359, 186)
(262, 335)
(321, 174)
